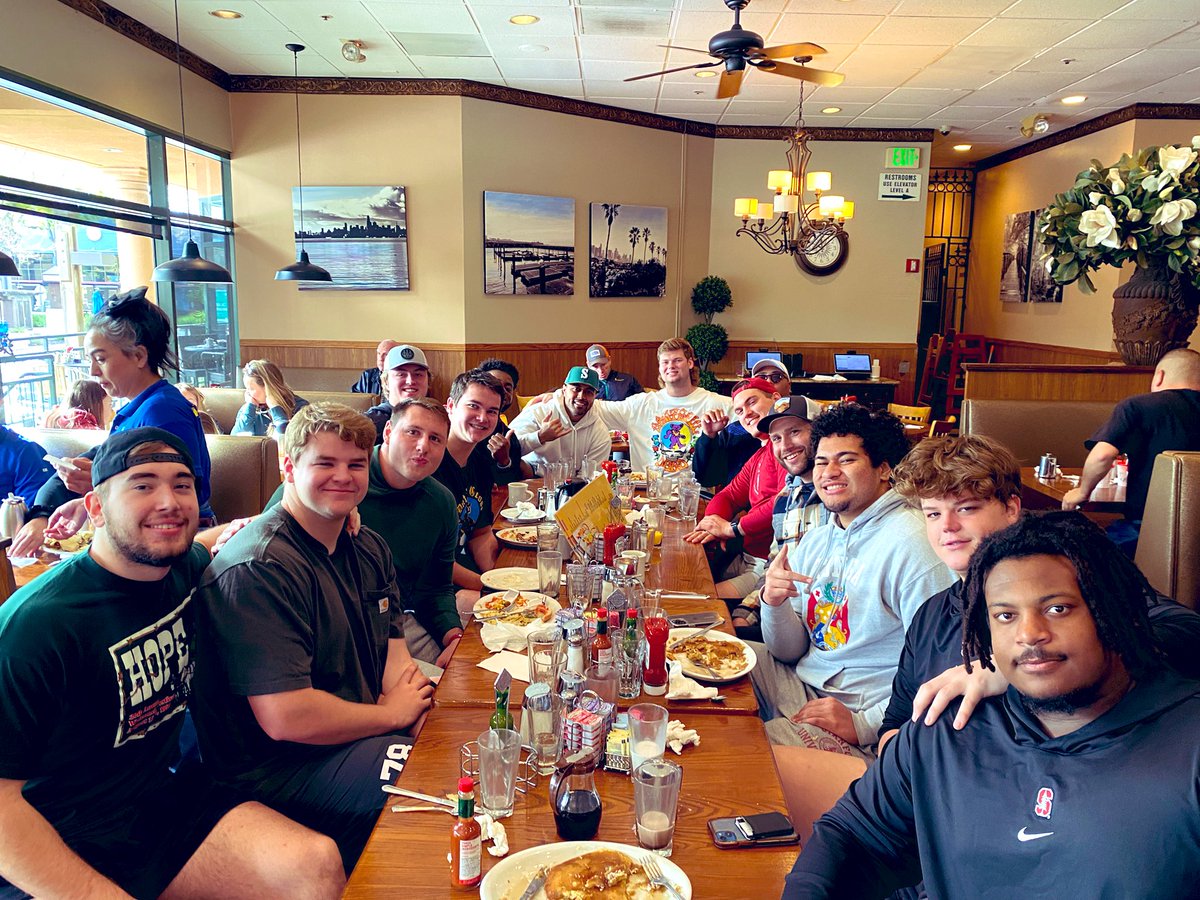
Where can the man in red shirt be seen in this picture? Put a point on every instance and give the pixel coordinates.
(742, 509)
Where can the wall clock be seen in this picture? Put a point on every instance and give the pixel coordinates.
(826, 260)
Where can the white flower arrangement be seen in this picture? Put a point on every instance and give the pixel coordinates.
(1143, 208)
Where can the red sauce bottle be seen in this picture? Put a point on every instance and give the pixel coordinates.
(466, 842)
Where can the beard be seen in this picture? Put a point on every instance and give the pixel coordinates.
(1063, 704)
(140, 553)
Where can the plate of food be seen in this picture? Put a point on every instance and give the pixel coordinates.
(575, 869)
(68, 546)
(524, 608)
(523, 537)
(522, 512)
(511, 578)
(713, 656)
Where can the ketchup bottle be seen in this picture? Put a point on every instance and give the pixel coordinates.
(466, 840)
(654, 671)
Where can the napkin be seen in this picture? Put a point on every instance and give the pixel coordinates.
(516, 663)
(503, 636)
(493, 831)
(679, 737)
(680, 687)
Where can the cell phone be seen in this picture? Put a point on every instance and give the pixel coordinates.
(692, 620)
(758, 830)
(61, 462)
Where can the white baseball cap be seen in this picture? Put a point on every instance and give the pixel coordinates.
(770, 364)
(404, 355)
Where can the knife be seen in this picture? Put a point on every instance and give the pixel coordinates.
(534, 886)
(704, 630)
(415, 795)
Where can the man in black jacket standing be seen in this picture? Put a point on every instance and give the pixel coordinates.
(1087, 764)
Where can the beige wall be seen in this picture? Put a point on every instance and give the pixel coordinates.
(1030, 183)
(52, 43)
(527, 151)
(870, 298)
(413, 141)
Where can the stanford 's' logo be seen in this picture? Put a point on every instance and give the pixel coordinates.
(1045, 802)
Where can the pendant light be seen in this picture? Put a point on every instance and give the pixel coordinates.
(302, 269)
(191, 266)
(8, 268)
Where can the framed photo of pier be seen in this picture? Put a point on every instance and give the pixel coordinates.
(1014, 265)
(360, 234)
(627, 249)
(528, 244)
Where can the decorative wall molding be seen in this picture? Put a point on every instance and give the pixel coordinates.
(783, 132)
(1108, 120)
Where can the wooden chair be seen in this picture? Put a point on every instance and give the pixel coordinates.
(910, 415)
(8, 583)
(966, 348)
(931, 372)
(522, 402)
(943, 426)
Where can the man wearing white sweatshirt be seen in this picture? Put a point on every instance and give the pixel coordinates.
(836, 606)
(567, 427)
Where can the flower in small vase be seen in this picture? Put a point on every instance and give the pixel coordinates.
(1172, 214)
(1100, 227)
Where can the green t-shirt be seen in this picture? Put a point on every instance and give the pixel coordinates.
(95, 673)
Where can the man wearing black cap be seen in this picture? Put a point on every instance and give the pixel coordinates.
(95, 668)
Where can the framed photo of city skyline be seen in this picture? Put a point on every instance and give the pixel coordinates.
(360, 234)
(528, 244)
(627, 250)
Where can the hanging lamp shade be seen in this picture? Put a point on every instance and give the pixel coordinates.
(303, 270)
(8, 268)
(192, 267)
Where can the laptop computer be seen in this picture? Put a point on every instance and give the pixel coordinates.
(753, 357)
(853, 366)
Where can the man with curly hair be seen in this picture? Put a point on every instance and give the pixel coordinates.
(836, 605)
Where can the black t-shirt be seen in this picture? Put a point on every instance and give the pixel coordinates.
(471, 486)
(277, 612)
(1144, 426)
(95, 673)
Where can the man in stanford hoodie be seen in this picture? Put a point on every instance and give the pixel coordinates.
(1081, 780)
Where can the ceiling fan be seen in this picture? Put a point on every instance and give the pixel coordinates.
(738, 48)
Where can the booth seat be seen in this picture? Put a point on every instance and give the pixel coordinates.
(245, 470)
(224, 403)
(1030, 428)
(1168, 551)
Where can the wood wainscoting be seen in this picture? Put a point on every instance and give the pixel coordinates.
(1006, 351)
(1015, 381)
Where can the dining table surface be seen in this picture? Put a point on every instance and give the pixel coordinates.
(1107, 497)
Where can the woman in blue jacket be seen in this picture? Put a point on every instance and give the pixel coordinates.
(129, 345)
(270, 403)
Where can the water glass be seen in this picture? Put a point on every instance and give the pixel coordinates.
(647, 732)
(545, 657)
(656, 785)
(638, 559)
(689, 500)
(653, 475)
(542, 721)
(547, 536)
(630, 682)
(579, 589)
(549, 564)
(656, 518)
(499, 750)
(605, 682)
(624, 489)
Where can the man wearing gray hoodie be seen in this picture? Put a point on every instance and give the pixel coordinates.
(836, 606)
(567, 427)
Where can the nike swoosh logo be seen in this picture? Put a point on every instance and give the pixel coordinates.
(1023, 836)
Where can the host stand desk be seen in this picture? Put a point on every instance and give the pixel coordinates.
(873, 392)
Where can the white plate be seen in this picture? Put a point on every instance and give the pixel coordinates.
(693, 671)
(529, 598)
(511, 578)
(510, 537)
(508, 879)
(512, 514)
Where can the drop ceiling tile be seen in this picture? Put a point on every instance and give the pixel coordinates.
(623, 89)
(923, 30)
(449, 45)
(311, 67)
(458, 67)
(524, 4)
(700, 26)
(554, 87)
(1155, 62)
(553, 22)
(881, 122)
(346, 19)
(690, 108)
(838, 7)
(1180, 89)
(1134, 34)
(690, 90)
(1083, 62)
(593, 47)
(1160, 10)
(985, 8)
(235, 44)
(424, 17)
(997, 60)
(913, 56)
(819, 121)
(731, 118)
(814, 116)
(1061, 9)
(971, 115)
(823, 29)
(612, 70)
(925, 96)
(780, 108)
(767, 88)
(541, 69)
(556, 47)
(846, 93)
(1018, 32)
(940, 76)
(194, 17)
(627, 23)
(1187, 39)
(901, 111)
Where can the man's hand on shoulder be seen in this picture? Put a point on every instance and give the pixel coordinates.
(410, 698)
(938, 692)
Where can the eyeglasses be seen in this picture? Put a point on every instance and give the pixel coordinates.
(773, 377)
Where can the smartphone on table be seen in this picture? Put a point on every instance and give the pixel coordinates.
(758, 830)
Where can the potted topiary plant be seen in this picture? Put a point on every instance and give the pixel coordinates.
(1140, 210)
(710, 296)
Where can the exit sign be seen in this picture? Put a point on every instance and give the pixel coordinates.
(902, 157)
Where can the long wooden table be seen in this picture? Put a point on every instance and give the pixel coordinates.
(1047, 493)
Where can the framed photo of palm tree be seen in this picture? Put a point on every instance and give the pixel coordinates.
(628, 250)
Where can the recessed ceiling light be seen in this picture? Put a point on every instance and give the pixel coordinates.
(225, 13)
(113, 150)
(533, 48)
(962, 148)
(1074, 99)
(704, 73)
(830, 110)
(524, 19)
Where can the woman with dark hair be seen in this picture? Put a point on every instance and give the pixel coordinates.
(128, 344)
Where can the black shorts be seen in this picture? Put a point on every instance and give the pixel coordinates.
(156, 838)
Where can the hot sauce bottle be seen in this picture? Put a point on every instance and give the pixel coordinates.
(465, 840)
(602, 648)
(654, 671)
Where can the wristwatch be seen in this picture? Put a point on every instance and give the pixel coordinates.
(737, 529)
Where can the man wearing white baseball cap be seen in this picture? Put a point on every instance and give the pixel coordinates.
(406, 374)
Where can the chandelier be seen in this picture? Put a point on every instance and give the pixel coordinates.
(804, 229)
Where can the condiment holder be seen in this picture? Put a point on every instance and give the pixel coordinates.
(527, 765)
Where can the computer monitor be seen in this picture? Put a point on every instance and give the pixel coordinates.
(852, 365)
(753, 357)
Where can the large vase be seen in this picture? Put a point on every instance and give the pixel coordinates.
(1153, 312)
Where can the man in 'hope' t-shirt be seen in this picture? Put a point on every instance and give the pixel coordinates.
(95, 665)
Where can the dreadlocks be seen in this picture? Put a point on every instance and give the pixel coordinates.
(1116, 592)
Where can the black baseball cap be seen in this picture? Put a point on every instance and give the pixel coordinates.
(115, 455)
(796, 407)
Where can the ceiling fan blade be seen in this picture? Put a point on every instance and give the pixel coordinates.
(804, 73)
(679, 69)
(731, 83)
(691, 49)
(787, 51)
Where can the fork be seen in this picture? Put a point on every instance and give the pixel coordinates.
(654, 872)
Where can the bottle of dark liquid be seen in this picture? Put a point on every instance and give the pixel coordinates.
(574, 798)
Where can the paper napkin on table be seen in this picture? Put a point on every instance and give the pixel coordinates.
(516, 663)
(680, 687)
(503, 636)
(679, 736)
